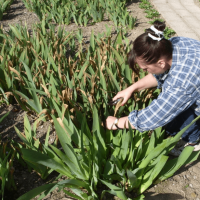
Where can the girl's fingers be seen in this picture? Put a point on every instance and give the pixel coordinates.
(115, 98)
(124, 102)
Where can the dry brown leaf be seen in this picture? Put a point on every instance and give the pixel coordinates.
(65, 107)
(46, 90)
(84, 78)
(67, 94)
(93, 63)
(148, 96)
(70, 93)
(8, 94)
(93, 84)
(118, 106)
(55, 44)
(82, 91)
(41, 100)
(133, 77)
(90, 99)
(36, 75)
(45, 112)
(63, 79)
(53, 111)
(103, 65)
(62, 125)
(64, 94)
(59, 95)
(1, 58)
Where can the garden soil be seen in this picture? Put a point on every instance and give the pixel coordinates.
(184, 184)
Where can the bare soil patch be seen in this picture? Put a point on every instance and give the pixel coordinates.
(183, 185)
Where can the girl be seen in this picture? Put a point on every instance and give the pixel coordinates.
(174, 66)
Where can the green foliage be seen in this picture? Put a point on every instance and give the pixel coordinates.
(152, 13)
(7, 156)
(61, 79)
(42, 70)
(30, 142)
(81, 12)
(168, 33)
(4, 5)
(145, 4)
(95, 157)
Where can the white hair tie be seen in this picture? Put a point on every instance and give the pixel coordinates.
(157, 32)
(155, 38)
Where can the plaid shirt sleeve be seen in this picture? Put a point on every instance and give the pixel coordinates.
(162, 110)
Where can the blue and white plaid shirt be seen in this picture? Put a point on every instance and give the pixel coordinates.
(180, 88)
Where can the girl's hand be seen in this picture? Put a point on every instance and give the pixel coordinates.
(110, 123)
(125, 94)
(149, 81)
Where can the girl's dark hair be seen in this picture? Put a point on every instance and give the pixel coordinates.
(148, 49)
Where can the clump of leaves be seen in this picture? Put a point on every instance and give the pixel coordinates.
(30, 142)
(168, 33)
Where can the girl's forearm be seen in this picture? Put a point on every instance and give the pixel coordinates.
(149, 81)
(123, 123)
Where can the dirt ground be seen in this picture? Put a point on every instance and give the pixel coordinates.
(183, 185)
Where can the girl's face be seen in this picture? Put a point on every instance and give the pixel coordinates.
(157, 68)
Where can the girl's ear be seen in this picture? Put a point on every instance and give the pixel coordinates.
(162, 63)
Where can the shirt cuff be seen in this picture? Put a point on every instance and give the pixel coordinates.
(132, 117)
